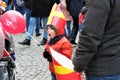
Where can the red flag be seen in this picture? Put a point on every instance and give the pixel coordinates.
(63, 67)
(57, 18)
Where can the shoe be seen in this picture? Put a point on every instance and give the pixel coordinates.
(43, 42)
(25, 42)
(38, 34)
(73, 42)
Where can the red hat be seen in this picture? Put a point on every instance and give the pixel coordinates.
(57, 19)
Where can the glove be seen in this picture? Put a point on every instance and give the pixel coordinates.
(47, 55)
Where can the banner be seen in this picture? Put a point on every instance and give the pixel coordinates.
(63, 67)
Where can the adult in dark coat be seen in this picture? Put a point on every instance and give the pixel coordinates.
(98, 51)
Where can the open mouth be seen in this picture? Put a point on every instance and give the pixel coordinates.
(49, 34)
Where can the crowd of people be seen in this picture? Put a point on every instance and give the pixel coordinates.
(36, 10)
(37, 13)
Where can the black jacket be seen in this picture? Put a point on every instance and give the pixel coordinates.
(41, 8)
(74, 6)
(98, 51)
(28, 4)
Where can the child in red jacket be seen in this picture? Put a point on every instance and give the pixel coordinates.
(57, 41)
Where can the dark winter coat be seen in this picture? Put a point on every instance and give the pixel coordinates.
(74, 6)
(98, 51)
(28, 4)
(41, 8)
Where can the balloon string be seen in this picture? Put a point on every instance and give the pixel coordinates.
(36, 41)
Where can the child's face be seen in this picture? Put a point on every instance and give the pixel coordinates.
(51, 33)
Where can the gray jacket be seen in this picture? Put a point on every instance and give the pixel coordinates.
(98, 51)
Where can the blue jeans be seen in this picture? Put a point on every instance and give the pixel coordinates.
(32, 22)
(53, 76)
(28, 15)
(45, 35)
(69, 31)
(111, 77)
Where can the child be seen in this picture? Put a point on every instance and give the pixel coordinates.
(59, 43)
(57, 40)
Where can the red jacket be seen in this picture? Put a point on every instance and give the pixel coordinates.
(62, 46)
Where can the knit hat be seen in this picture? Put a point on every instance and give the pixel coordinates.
(3, 5)
(57, 19)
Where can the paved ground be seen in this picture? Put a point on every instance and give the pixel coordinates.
(30, 63)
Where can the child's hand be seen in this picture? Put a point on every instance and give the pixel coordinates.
(13, 56)
(47, 55)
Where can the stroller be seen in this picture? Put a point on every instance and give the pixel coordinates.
(7, 62)
(7, 66)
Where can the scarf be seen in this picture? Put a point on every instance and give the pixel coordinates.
(55, 39)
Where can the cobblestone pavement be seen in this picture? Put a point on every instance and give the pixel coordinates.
(30, 63)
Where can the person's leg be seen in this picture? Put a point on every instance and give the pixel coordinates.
(111, 77)
(37, 30)
(69, 29)
(66, 32)
(45, 35)
(74, 30)
(53, 76)
(30, 32)
(28, 15)
(31, 28)
(41, 25)
(45, 29)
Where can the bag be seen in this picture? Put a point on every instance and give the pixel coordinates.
(20, 3)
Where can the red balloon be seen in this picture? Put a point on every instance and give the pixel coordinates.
(13, 22)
